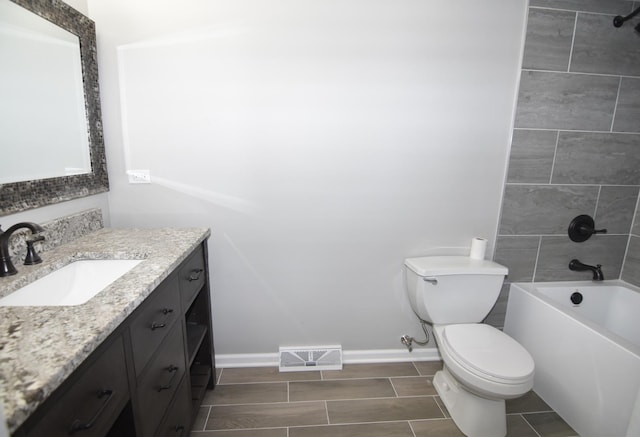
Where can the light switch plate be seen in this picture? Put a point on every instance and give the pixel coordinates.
(139, 176)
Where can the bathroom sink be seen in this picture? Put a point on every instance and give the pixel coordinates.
(73, 284)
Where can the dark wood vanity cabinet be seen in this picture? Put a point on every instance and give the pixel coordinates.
(149, 377)
(90, 400)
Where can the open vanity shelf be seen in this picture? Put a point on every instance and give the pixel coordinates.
(199, 340)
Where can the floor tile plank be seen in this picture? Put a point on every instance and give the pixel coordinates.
(375, 370)
(387, 429)
(340, 389)
(247, 394)
(378, 410)
(267, 415)
(414, 386)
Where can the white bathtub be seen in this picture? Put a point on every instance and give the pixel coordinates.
(587, 356)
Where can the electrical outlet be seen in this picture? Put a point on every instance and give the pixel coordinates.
(139, 176)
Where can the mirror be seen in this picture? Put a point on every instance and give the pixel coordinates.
(51, 143)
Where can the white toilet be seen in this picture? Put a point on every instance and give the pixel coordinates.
(482, 365)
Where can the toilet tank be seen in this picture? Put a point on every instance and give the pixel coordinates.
(452, 289)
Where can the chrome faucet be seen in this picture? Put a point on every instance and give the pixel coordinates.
(580, 267)
(6, 266)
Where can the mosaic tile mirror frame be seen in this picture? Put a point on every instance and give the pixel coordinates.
(20, 196)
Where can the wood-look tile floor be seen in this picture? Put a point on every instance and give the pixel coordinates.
(362, 400)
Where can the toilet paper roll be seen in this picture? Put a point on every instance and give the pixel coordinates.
(478, 248)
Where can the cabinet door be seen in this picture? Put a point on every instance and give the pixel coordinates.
(160, 381)
(151, 324)
(192, 276)
(178, 420)
(90, 400)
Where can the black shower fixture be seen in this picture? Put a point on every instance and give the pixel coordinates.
(619, 20)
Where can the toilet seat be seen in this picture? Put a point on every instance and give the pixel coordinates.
(488, 361)
(488, 353)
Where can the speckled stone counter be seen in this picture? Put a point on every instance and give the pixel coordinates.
(41, 346)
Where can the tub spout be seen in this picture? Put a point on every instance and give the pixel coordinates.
(580, 267)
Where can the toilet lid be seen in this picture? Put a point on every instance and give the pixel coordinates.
(485, 350)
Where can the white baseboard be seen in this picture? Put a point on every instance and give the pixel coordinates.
(348, 357)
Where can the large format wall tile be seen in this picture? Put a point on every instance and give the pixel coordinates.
(566, 101)
(631, 271)
(601, 48)
(531, 156)
(569, 155)
(548, 42)
(557, 252)
(615, 7)
(596, 158)
(544, 209)
(627, 118)
(518, 254)
(616, 206)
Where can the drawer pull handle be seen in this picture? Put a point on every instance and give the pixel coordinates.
(195, 275)
(171, 369)
(166, 312)
(155, 326)
(77, 425)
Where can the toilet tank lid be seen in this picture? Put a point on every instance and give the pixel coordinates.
(453, 265)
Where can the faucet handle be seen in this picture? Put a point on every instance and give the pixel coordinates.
(582, 228)
(35, 238)
(32, 256)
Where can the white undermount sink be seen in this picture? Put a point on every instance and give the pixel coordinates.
(73, 284)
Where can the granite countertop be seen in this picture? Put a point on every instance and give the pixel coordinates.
(41, 346)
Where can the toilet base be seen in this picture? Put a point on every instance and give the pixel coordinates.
(474, 415)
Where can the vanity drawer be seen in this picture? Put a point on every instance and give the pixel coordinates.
(153, 322)
(91, 400)
(192, 276)
(160, 381)
(177, 423)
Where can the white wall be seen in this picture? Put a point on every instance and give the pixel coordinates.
(79, 5)
(322, 141)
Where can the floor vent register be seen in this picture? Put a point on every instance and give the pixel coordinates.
(306, 358)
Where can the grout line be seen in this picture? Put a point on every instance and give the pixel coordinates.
(573, 39)
(615, 107)
(555, 153)
(204, 427)
(219, 376)
(595, 210)
(530, 426)
(393, 387)
(550, 8)
(529, 184)
(535, 265)
(308, 401)
(444, 414)
(582, 131)
(326, 412)
(580, 73)
(411, 428)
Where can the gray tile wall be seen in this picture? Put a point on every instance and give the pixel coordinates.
(575, 147)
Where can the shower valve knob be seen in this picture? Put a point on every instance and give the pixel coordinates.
(582, 228)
